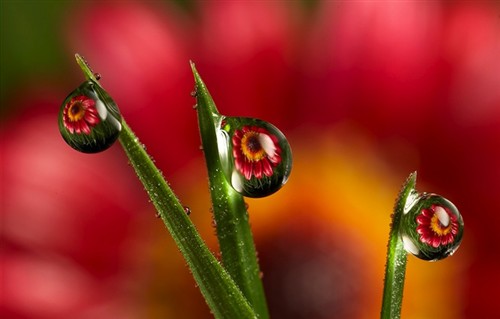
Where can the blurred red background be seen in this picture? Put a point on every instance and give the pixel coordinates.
(366, 92)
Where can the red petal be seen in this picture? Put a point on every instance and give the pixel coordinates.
(236, 140)
(423, 220)
(236, 153)
(427, 212)
(88, 103)
(425, 239)
(91, 119)
(447, 239)
(247, 170)
(266, 167)
(421, 230)
(238, 163)
(276, 159)
(78, 98)
(70, 128)
(257, 169)
(76, 126)
(427, 235)
(436, 241)
(85, 128)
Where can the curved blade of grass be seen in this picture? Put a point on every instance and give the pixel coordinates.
(395, 268)
(233, 229)
(219, 290)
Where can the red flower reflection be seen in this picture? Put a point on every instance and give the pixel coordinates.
(437, 226)
(255, 151)
(80, 115)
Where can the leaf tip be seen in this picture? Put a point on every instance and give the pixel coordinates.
(197, 77)
(411, 180)
(407, 188)
(86, 69)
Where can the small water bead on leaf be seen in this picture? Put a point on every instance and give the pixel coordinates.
(255, 156)
(431, 227)
(89, 120)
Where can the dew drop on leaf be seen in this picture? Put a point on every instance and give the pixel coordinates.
(89, 120)
(432, 228)
(255, 156)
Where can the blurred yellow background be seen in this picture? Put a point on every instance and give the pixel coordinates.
(366, 92)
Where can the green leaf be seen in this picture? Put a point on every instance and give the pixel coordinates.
(233, 229)
(219, 290)
(396, 255)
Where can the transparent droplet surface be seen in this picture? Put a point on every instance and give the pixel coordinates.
(89, 120)
(431, 228)
(255, 156)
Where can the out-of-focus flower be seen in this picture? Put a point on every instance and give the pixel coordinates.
(464, 130)
(418, 77)
(80, 115)
(255, 151)
(66, 223)
(246, 52)
(322, 238)
(376, 64)
(141, 52)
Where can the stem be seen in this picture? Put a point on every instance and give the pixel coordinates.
(395, 267)
(221, 293)
(236, 243)
(219, 290)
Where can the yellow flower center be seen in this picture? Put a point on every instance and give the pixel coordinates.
(440, 222)
(76, 111)
(251, 147)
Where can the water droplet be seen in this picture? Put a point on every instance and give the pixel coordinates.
(97, 76)
(431, 228)
(187, 210)
(255, 156)
(89, 120)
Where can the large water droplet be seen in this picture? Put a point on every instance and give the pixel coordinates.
(255, 156)
(431, 228)
(89, 120)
